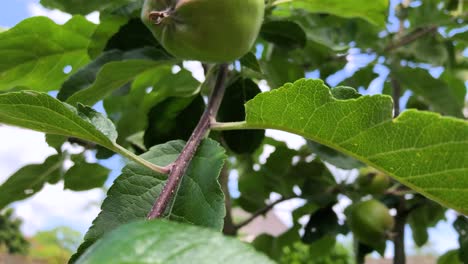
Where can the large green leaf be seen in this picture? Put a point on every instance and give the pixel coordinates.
(199, 201)
(30, 179)
(168, 242)
(41, 112)
(372, 11)
(36, 52)
(423, 150)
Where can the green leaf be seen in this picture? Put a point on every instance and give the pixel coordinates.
(423, 150)
(322, 223)
(174, 118)
(232, 109)
(422, 218)
(199, 201)
(373, 11)
(108, 26)
(36, 52)
(430, 49)
(435, 92)
(450, 257)
(328, 154)
(462, 37)
(85, 176)
(111, 77)
(99, 68)
(55, 141)
(41, 112)
(362, 78)
(251, 62)
(315, 180)
(133, 35)
(279, 70)
(86, 75)
(285, 34)
(140, 101)
(30, 179)
(461, 226)
(273, 246)
(168, 242)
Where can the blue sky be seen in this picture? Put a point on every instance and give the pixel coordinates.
(13, 11)
(54, 206)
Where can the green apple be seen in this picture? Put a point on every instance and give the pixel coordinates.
(372, 181)
(205, 30)
(369, 221)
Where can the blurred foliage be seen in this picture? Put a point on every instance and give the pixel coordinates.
(11, 238)
(55, 246)
(299, 253)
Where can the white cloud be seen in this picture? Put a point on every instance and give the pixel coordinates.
(52, 206)
(19, 147)
(196, 68)
(35, 9)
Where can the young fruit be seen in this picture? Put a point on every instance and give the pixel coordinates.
(205, 30)
(369, 221)
(372, 181)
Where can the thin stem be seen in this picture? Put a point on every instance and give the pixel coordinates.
(124, 152)
(410, 38)
(229, 126)
(130, 155)
(179, 167)
(396, 95)
(260, 212)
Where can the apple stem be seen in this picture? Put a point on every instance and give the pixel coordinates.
(179, 167)
(158, 16)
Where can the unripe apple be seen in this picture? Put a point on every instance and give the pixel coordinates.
(372, 181)
(205, 30)
(369, 221)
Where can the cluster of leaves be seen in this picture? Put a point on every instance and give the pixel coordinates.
(11, 237)
(153, 103)
(54, 246)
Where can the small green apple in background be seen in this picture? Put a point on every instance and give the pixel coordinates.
(370, 221)
(372, 181)
(205, 30)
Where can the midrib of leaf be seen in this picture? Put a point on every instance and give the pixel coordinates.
(56, 166)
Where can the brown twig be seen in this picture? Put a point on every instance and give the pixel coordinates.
(260, 212)
(179, 167)
(410, 38)
(399, 233)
